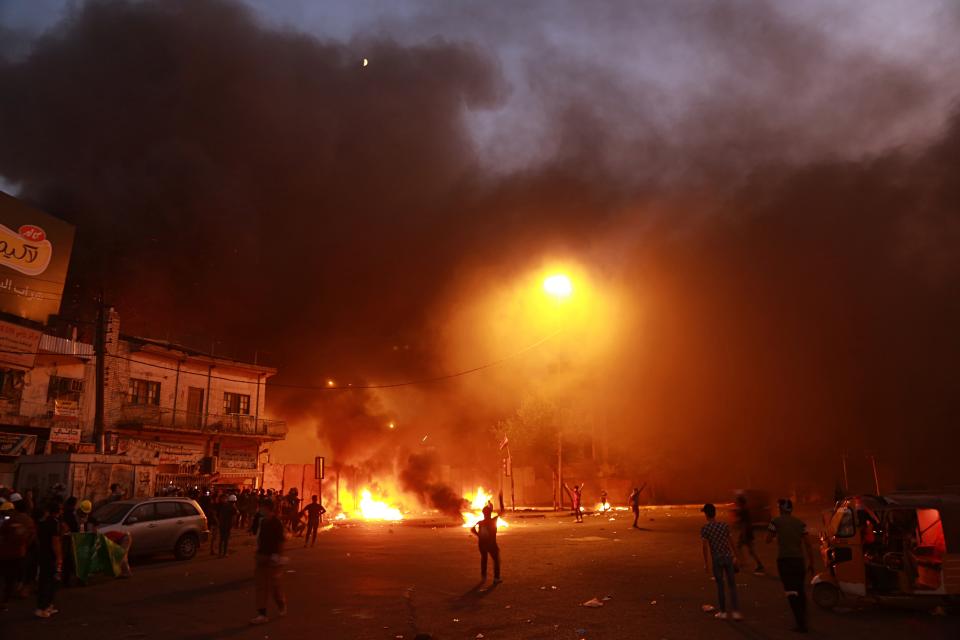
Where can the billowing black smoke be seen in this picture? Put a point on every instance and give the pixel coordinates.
(418, 477)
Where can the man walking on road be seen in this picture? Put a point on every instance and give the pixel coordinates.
(792, 542)
(486, 532)
(269, 562)
(314, 512)
(717, 543)
(745, 535)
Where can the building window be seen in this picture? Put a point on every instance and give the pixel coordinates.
(236, 403)
(143, 392)
(64, 388)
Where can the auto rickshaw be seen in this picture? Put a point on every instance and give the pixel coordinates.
(900, 547)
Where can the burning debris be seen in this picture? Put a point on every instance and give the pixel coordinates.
(478, 500)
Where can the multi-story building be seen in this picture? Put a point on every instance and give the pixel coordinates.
(200, 417)
(173, 416)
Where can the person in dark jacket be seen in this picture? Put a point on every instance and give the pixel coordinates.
(227, 516)
(49, 558)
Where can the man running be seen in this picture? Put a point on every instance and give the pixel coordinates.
(717, 544)
(792, 542)
(314, 512)
(486, 532)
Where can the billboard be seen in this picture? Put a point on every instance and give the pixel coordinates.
(34, 256)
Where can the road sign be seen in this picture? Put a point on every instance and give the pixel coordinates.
(318, 468)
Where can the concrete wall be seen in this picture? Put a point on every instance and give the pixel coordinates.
(85, 475)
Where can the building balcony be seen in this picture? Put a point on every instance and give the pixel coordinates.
(139, 416)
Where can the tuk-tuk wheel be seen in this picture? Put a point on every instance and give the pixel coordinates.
(826, 595)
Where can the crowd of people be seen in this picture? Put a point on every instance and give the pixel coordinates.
(36, 549)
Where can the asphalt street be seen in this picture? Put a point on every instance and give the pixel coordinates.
(376, 581)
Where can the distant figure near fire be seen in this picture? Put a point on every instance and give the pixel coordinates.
(486, 532)
(576, 497)
(314, 512)
(634, 500)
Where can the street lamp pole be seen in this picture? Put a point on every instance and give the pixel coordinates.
(559, 470)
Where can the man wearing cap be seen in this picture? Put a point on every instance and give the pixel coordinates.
(717, 543)
(792, 542)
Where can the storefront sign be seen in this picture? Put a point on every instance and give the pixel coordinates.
(161, 452)
(15, 444)
(238, 457)
(66, 409)
(18, 345)
(65, 433)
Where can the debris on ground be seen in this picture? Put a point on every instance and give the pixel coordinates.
(607, 597)
(707, 608)
(593, 603)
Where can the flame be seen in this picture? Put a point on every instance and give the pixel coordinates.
(603, 507)
(478, 501)
(370, 509)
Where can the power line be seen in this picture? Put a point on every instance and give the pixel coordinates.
(314, 387)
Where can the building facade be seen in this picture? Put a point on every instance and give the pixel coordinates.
(173, 417)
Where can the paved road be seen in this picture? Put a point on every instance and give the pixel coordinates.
(380, 581)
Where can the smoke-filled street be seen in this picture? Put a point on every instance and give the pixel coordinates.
(377, 580)
(437, 272)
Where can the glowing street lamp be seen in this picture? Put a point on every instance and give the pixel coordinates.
(558, 286)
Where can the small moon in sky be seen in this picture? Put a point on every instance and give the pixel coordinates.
(365, 62)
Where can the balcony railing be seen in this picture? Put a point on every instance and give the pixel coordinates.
(182, 420)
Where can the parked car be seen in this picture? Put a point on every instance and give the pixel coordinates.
(157, 525)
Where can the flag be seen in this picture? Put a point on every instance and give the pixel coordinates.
(94, 553)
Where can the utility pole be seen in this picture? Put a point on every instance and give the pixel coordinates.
(559, 469)
(100, 343)
(876, 476)
(846, 478)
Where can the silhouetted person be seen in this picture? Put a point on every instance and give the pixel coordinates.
(635, 503)
(314, 512)
(269, 562)
(792, 542)
(576, 497)
(227, 517)
(50, 559)
(486, 532)
(719, 552)
(745, 533)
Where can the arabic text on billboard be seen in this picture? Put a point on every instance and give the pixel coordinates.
(18, 344)
(34, 255)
